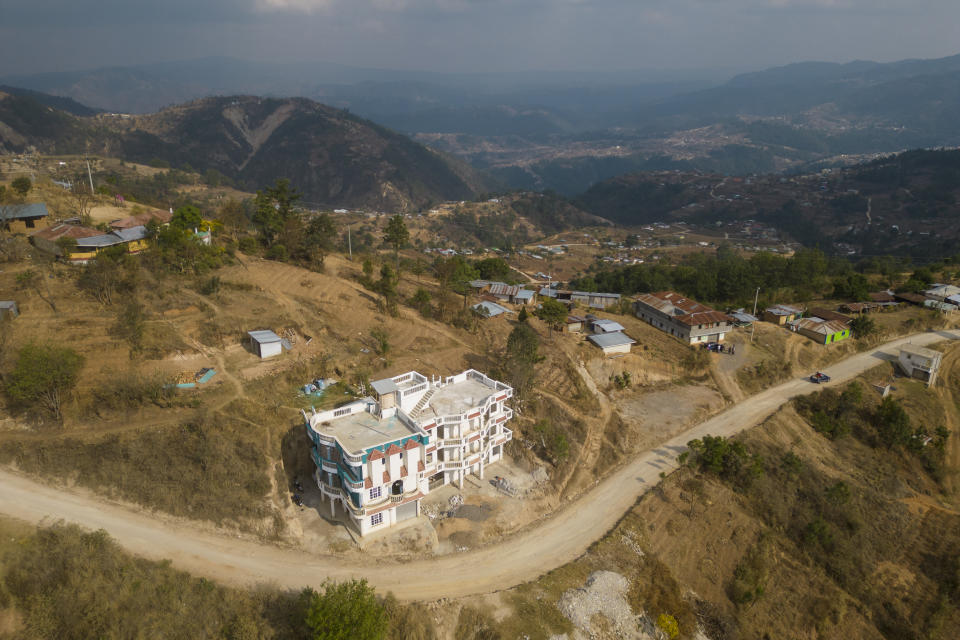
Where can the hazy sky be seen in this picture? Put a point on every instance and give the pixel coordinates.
(475, 35)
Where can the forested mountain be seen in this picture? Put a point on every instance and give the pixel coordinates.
(901, 204)
(334, 157)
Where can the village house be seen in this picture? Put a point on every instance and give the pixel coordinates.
(942, 292)
(88, 242)
(595, 300)
(821, 330)
(781, 314)
(24, 218)
(742, 319)
(942, 307)
(589, 299)
(911, 298)
(883, 298)
(686, 319)
(265, 343)
(920, 363)
(574, 324)
(614, 343)
(376, 458)
(503, 292)
(523, 296)
(859, 308)
(489, 309)
(827, 314)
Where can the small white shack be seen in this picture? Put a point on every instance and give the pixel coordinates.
(612, 343)
(265, 343)
(9, 307)
(920, 363)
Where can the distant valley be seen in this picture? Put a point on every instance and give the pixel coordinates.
(567, 131)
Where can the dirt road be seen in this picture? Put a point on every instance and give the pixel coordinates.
(550, 543)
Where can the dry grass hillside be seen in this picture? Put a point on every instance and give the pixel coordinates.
(229, 451)
(824, 539)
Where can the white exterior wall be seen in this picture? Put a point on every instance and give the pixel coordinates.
(620, 348)
(269, 349)
(460, 438)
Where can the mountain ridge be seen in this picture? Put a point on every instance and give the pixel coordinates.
(333, 157)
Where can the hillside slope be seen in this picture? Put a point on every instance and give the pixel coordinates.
(333, 157)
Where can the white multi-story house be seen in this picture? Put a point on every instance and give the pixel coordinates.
(920, 362)
(379, 456)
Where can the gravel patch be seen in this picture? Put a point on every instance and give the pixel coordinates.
(605, 594)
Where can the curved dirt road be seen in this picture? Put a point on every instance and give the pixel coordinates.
(550, 543)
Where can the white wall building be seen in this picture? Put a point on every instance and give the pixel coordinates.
(686, 319)
(379, 456)
(920, 363)
(265, 343)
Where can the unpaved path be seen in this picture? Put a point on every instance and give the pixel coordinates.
(550, 543)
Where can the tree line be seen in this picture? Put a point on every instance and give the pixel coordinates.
(728, 277)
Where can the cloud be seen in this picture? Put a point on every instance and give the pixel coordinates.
(475, 34)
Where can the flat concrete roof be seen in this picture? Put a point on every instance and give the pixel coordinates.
(456, 398)
(361, 430)
(923, 352)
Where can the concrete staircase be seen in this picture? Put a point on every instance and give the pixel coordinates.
(417, 410)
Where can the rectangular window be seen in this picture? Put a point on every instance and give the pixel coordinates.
(374, 493)
(376, 519)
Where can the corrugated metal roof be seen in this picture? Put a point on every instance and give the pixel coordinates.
(942, 306)
(784, 310)
(739, 316)
(817, 325)
(827, 314)
(503, 289)
(384, 386)
(97, 242)
(608, 326)
(524, 294)
(131, 234)
(943, 291)
(617, 339)
(64, 230)
(264, 336)
(20, 211)
(491, 309)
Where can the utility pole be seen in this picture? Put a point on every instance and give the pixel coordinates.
(349, 243)
(89, 175)
(756, 297)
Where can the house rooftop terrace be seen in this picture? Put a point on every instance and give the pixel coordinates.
(361, 430)
(456, 398)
